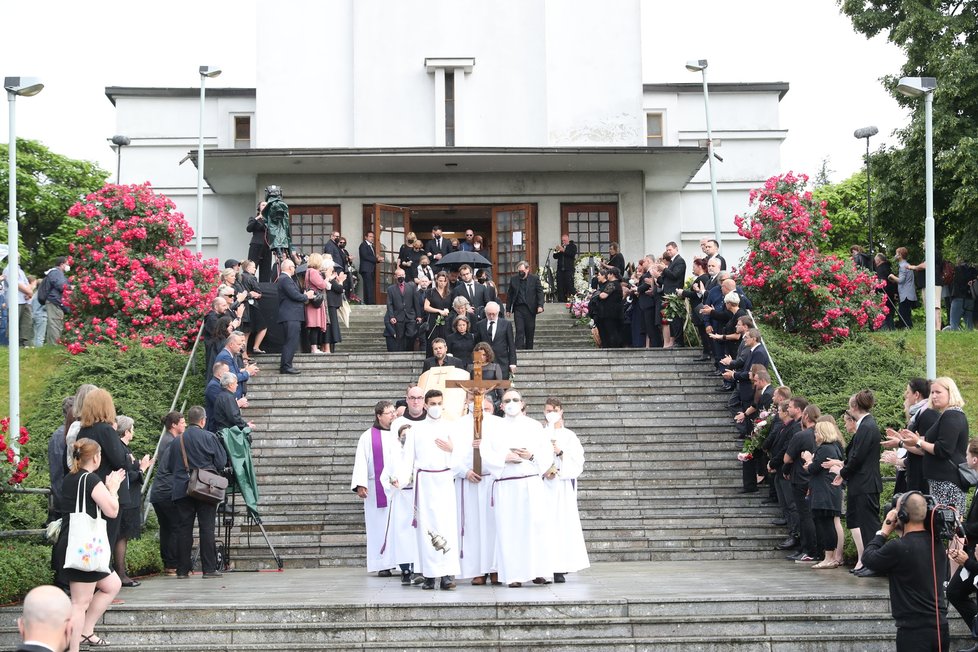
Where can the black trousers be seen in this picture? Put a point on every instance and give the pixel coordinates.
(188, 511)
(565, 284)
(960, 593)
(786, 501)
(262, 257)
(826, 538)
(806, 525)
(169, 519)
(526, 325)
(369, 280)
(922, 639)
(290, 343)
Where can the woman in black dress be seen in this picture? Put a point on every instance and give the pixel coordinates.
(98, 424)
(405, 256)
(334, 299)
(826, 498)
(438, 307)
(87, 606)
(461, 341)
(130, 526)
(258, 323)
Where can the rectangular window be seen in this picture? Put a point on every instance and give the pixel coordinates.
(591, 226)
(242, 132)
(450, 108)
(653, 130)
(312, 226)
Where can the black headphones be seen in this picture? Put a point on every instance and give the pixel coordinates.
(902, 515)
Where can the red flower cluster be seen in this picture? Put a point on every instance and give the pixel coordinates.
(802, 290)
(9, 457)
(133, 282)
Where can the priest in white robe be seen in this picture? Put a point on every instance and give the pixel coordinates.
(569, 553)
(398, 479)
(517, 460)
(477, 529)
(375, 446)
(436, 521)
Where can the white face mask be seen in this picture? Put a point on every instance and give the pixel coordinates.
(552, 417)
(513, 409)
(434, 411)
(477, 246)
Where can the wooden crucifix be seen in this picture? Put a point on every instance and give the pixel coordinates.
(478, 388)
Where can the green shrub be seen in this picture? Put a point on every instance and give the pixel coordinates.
(143, 555)
(25, 564)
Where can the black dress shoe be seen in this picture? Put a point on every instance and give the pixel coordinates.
(559, 578)
(789, 544)
(291, 370)
(406, 577)
(795, 557)
(131, 583)
(865, 572)
(384, 573)
(212, 574)
(779, 521)
(447, 583)
(770, 501)
(724, 389)
(429, 584)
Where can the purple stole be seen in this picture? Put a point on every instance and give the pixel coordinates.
(378, 453)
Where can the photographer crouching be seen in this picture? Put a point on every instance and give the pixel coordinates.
(916, 565)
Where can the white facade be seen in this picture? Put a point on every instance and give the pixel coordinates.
(352, 109)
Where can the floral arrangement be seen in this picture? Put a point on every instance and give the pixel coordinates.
(10, 453)
(579, 310)
(544, 279)
(674, 307)
(133, 282)
(354, 299)
(582, 277)
(762, 428)
(799, 289)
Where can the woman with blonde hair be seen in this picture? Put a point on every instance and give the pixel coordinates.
(82, 484)
(98, 421)
(408, 258)
(945, 444)
(826, 498)
(316, 320)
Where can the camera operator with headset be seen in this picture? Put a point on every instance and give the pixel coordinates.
(917, 567)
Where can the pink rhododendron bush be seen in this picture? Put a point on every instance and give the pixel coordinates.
(132, 280)
(793, 285)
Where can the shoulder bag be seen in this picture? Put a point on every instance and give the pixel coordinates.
(88, 541)
(205, 485)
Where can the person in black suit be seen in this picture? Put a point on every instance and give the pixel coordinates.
(402, 315)
(764, 396)
(227, 414)
(671, 281)
(646, 291)
(461, 341)
(437, 246)
(711, 249)
(794, 466)
(197, 449)
(566, 256)
(524, 302)
(476, 293)
(695, 294)
(861, 471)
(332, 247)
(258, 250)
(291, 314)
(498, 334)
(757, 355)
(368, 268)
(790, 415)
(441, 358)
(45, 624)
(615, 259)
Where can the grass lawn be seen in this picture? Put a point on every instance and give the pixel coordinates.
(957, 354)
(36, 365)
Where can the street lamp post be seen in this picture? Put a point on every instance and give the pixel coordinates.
(867, 133)
(119, 142)
(700, 65)
(205, 72)
(917, 87)
(24, 86)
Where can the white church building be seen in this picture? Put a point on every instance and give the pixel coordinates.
(519, 119)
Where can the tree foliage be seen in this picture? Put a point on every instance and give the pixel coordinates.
(940, 39)
(47, 186)
(846, 203)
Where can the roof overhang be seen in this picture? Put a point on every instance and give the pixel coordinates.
(235, 171)
(781, 88)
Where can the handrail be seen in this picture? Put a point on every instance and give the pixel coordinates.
(148, 475)
(770, 356)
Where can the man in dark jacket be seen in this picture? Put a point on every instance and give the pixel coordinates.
(498, 333)
(258, 250)
(402, 313)
(368, 268)
(566, 256)
(524, 302)
(291, 314)
(54, 306)
(203, 451)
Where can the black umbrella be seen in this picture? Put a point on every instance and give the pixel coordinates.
(456, 259)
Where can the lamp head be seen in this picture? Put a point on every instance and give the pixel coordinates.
(865, 132)
(696, 65)
(25, 86)
(917, 86)
(120, 141)
(210, 71)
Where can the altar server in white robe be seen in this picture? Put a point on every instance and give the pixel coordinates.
(569, 553)
(375, 446)
(436, 521)
(399, 482)
(517, 460)
(477, 535)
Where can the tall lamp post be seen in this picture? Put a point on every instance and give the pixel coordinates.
(917, 87)
(867, 133)
(205, 72)
(24, 86)
(700, 65)
(119, 142)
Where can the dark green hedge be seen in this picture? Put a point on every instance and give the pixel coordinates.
(24, 564)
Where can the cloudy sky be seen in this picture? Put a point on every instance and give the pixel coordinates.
(833, 72)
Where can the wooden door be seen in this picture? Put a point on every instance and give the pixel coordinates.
(513, 240)
(390, 224)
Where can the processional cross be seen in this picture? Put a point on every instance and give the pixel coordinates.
(478, 387)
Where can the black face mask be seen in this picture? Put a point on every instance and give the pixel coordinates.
(523, 274)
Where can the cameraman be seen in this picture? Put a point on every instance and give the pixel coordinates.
(916, 567)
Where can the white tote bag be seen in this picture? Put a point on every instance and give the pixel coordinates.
(88, 540)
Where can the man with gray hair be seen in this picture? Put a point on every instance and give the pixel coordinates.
(227, 414)
(498, 334)
(45, 625)
(231, 355)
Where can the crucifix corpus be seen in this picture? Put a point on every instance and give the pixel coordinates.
(478, 388)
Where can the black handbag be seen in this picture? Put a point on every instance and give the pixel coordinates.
(317, 299)
(205, 485)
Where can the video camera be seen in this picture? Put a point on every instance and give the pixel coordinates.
(941, 520)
